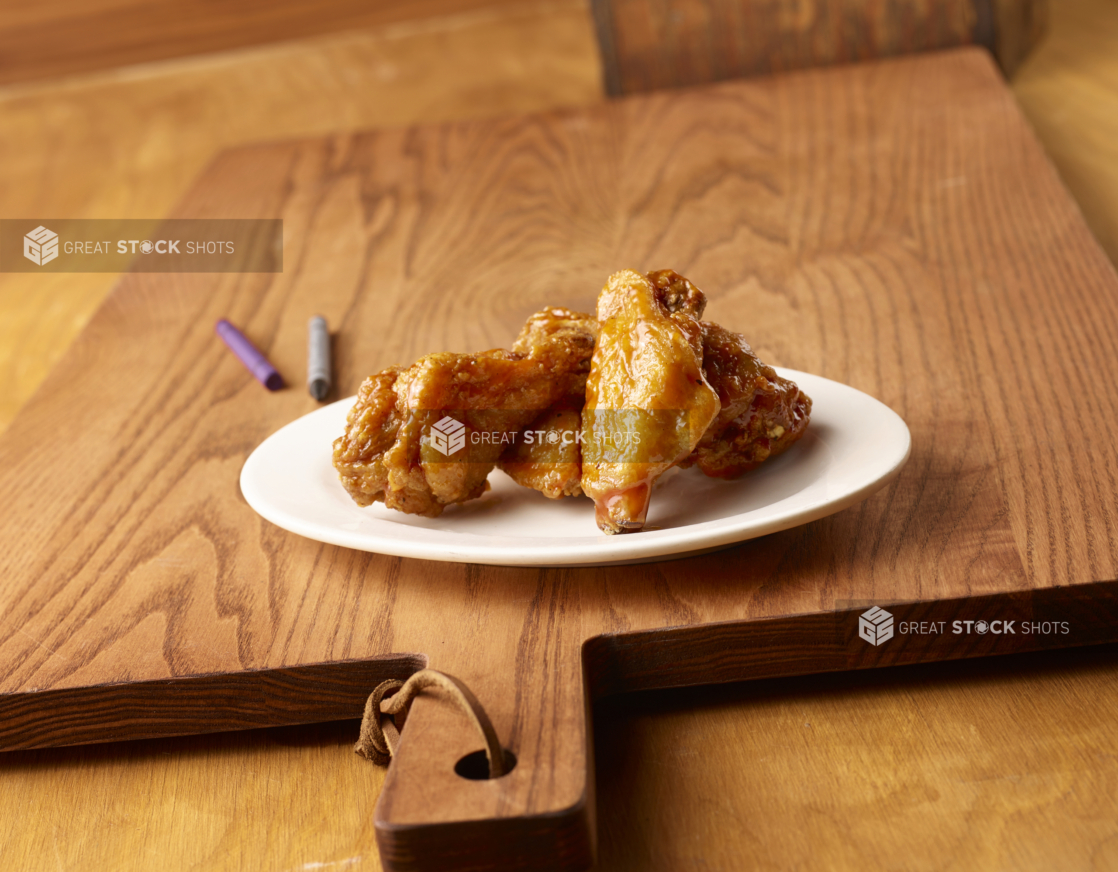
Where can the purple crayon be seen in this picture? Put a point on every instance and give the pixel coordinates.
(249, 355)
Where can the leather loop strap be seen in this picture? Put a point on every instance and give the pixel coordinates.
(387, 708)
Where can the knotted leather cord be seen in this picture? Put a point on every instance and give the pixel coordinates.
(387, 707)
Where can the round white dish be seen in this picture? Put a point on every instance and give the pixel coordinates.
(854, 445)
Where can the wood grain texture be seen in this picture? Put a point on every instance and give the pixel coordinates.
(253, 800)
(979, 764)
(67, 37)
(895, 299)
(828, 642)
(130, 144)
(999, 762)
(652, 44)
(197, 703)
(1004, 763)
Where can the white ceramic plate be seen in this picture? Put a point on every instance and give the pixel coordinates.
(853, 446)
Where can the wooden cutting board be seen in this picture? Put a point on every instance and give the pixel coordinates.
(893, 226)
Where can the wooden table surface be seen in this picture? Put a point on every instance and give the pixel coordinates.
(1004, 764)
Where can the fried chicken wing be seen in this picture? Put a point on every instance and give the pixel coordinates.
(581, 404)
(762, 414)
(545, 455)
(648, 403)
(425, 437)
(370, 430)
(555, 324)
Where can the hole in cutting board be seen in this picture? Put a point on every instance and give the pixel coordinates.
(475, 765)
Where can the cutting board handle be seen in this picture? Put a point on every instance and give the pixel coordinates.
(439, 810)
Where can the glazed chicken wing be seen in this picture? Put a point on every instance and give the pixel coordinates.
(581, 404)
(554, 324)
(648, 403)
(762, 414)
(425, 437)
(545, 455)
(371, 428)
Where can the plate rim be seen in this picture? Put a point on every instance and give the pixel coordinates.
(649, 546)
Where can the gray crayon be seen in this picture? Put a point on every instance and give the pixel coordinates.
(318, 358)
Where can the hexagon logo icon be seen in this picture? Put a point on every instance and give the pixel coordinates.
(40, 246)
(448, 436)
(875, 625)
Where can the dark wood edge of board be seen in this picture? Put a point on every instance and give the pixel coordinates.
(562, 840)
(602, 13)
(646, 45)
(785, 646)
(644, 660)
(171, 707)
(922, 632)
